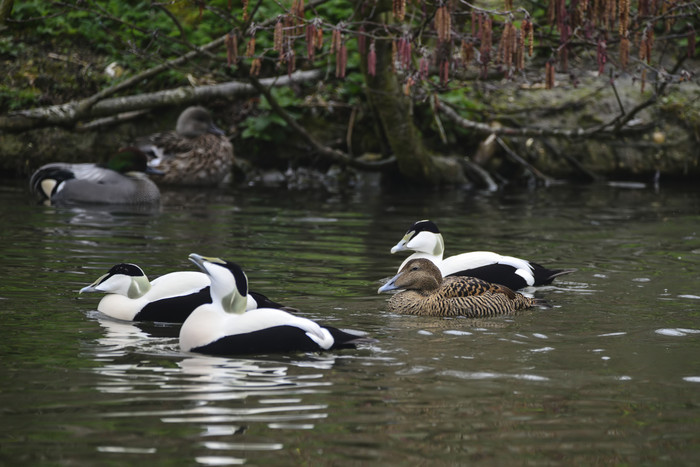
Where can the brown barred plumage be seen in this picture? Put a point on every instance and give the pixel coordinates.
(197, 153)
(427, 293)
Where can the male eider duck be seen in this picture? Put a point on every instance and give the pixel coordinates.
(122, 181)
(197, 153)
(426, 293)
(170, 298)
(425, 239)
(223, 327)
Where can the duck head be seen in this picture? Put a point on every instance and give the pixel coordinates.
(418, 274)
(195, 121)
(124, 279)
(229, 284)
(131, 159)
(423, 237)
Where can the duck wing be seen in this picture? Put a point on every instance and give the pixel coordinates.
(460, 286)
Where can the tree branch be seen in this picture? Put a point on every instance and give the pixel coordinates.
(333, 154)
(579, 133)
(69, 115)
(529, 167)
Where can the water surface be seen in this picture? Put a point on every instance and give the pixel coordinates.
(608, 374)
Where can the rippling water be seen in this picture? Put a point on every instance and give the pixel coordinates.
(608, 374)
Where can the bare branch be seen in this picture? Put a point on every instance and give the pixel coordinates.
(333, 154)
(529, 167)
(579, 133)
(69, 115)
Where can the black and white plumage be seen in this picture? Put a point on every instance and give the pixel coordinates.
(427, 293)
(122, 181)
(223, 327)
(170, 298)
(424, 238)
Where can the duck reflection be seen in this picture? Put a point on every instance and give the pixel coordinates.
(222, 399)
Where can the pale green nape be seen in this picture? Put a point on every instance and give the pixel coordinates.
(139, 286)
(234, 302)
(439, 246)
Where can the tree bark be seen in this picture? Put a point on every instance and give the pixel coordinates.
(5, 10)
(393, 112)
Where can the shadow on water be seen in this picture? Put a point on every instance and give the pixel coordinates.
(607, 374)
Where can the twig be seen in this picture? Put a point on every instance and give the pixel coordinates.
(106, 121)
(530, 168)
(479, 171)
(438, 123)
(572, 160)
(351, 126)
(617, 96)
(86, 104)
(579, 133)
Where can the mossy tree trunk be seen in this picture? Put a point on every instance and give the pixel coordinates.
(5, 10)
(393, 114)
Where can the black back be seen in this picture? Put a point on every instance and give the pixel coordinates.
(173, 309)
(503, 274)
(277, 339)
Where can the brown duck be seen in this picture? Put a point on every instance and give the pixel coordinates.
(427, 293)
(197, 153)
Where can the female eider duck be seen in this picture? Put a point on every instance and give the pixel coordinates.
(170, 298)
(426, 293)
(425, 239)
(122, 181)
(197, 153)
(223, 327)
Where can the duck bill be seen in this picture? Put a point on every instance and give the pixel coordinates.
(153, 171)
(89, 288)
(215, 130)
(94, 286)
(400, 246)
(200, 261)
(391, 285)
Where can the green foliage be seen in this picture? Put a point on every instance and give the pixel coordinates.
(268, 126)
(135, 33)
(15, 99)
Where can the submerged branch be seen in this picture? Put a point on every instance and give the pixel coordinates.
(529, 167)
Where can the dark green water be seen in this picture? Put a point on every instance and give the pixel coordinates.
(610, 374)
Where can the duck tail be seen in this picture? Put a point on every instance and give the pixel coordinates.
(544, 276)
(347, 340)
(559, 272)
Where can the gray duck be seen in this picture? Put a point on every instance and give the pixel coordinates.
(122, 180)
(197, 153)
(427, 293)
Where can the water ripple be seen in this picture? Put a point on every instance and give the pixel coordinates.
(476, 375)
